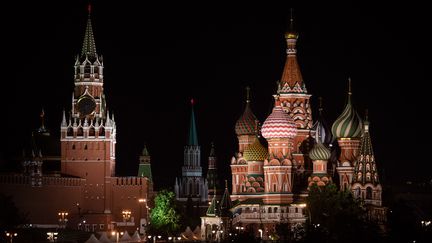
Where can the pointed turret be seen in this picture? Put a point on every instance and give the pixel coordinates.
(64, 123)
(365, 169)
(225, 204)
(89, 46)
(212, 175)
(366, 183)
(292, 80)
(193, 137)
(212, 209)
(144, 169)
(42, 129)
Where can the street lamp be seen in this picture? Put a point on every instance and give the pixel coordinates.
(261, 232)
(52, 236)
(116, 234)
(11, 236)
(63, 219)
(126, 215)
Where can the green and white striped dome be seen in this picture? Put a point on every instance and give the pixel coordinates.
(255, 152)
(348, 124)
(319, 152)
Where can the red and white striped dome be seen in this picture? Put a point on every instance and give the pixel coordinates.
(278, 125)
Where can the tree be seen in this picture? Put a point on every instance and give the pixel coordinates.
(10, 216)
(165, 217)
(336, 216)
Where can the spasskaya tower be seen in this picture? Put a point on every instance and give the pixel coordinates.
(88, 135)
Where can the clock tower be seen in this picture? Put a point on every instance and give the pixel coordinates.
(88, 134)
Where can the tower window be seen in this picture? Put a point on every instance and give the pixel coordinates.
(73, 146)
(85, 146)
(368, 193)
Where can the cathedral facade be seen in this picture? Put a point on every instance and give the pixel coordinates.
(270, 183)
(86, 188)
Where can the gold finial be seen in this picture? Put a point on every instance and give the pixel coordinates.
(247, 94)
(349, 86)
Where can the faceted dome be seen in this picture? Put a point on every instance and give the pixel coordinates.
(319, 152)
(255, 152)
(247, 123)
(279, 125)
(348, 124)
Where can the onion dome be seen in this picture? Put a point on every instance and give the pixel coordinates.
(247, 124)
(348, 124)
(255, 152)
(279, 124)
(322, 129)
(319, 152)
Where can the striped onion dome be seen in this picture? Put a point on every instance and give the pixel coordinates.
(255, 152)
(319, 152)
(247, 123)
(348, 124)
(279, 125)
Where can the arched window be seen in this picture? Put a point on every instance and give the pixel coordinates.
(274, 187)
(85, 146)
(73, 146)
(269, 210)
(80, 132)
(101, 131)
(92, 131)
(357, 192)
(70, 131)
(368, 193)
(275, 210)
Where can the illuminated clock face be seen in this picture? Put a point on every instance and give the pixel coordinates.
(86, 105)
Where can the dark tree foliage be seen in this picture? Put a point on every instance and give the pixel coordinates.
(165, 216)
(335, 216)
(10, 216)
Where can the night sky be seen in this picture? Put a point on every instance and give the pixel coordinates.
(157, 57)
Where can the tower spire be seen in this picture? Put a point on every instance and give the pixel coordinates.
(247, 94)
(89, 46)
(292, 80)
(193, 138)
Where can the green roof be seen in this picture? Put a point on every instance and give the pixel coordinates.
(89, 46)
(144, 170)
(193, 137)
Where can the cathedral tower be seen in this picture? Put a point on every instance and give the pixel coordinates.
(294, 98)
(279, 130)
(144, 169)
(88, 136)
(347, 129)
(192, 183)
(366, 183)
(247, 126)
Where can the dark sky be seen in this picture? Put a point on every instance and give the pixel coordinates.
(157, 57)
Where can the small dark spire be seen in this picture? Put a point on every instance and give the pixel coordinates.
(89, 8)
(291, 20)
(193, 137)
(226, 184)
(247, 94)
(320, 109)
(212, 150)
(349, 86)
(366, 115)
